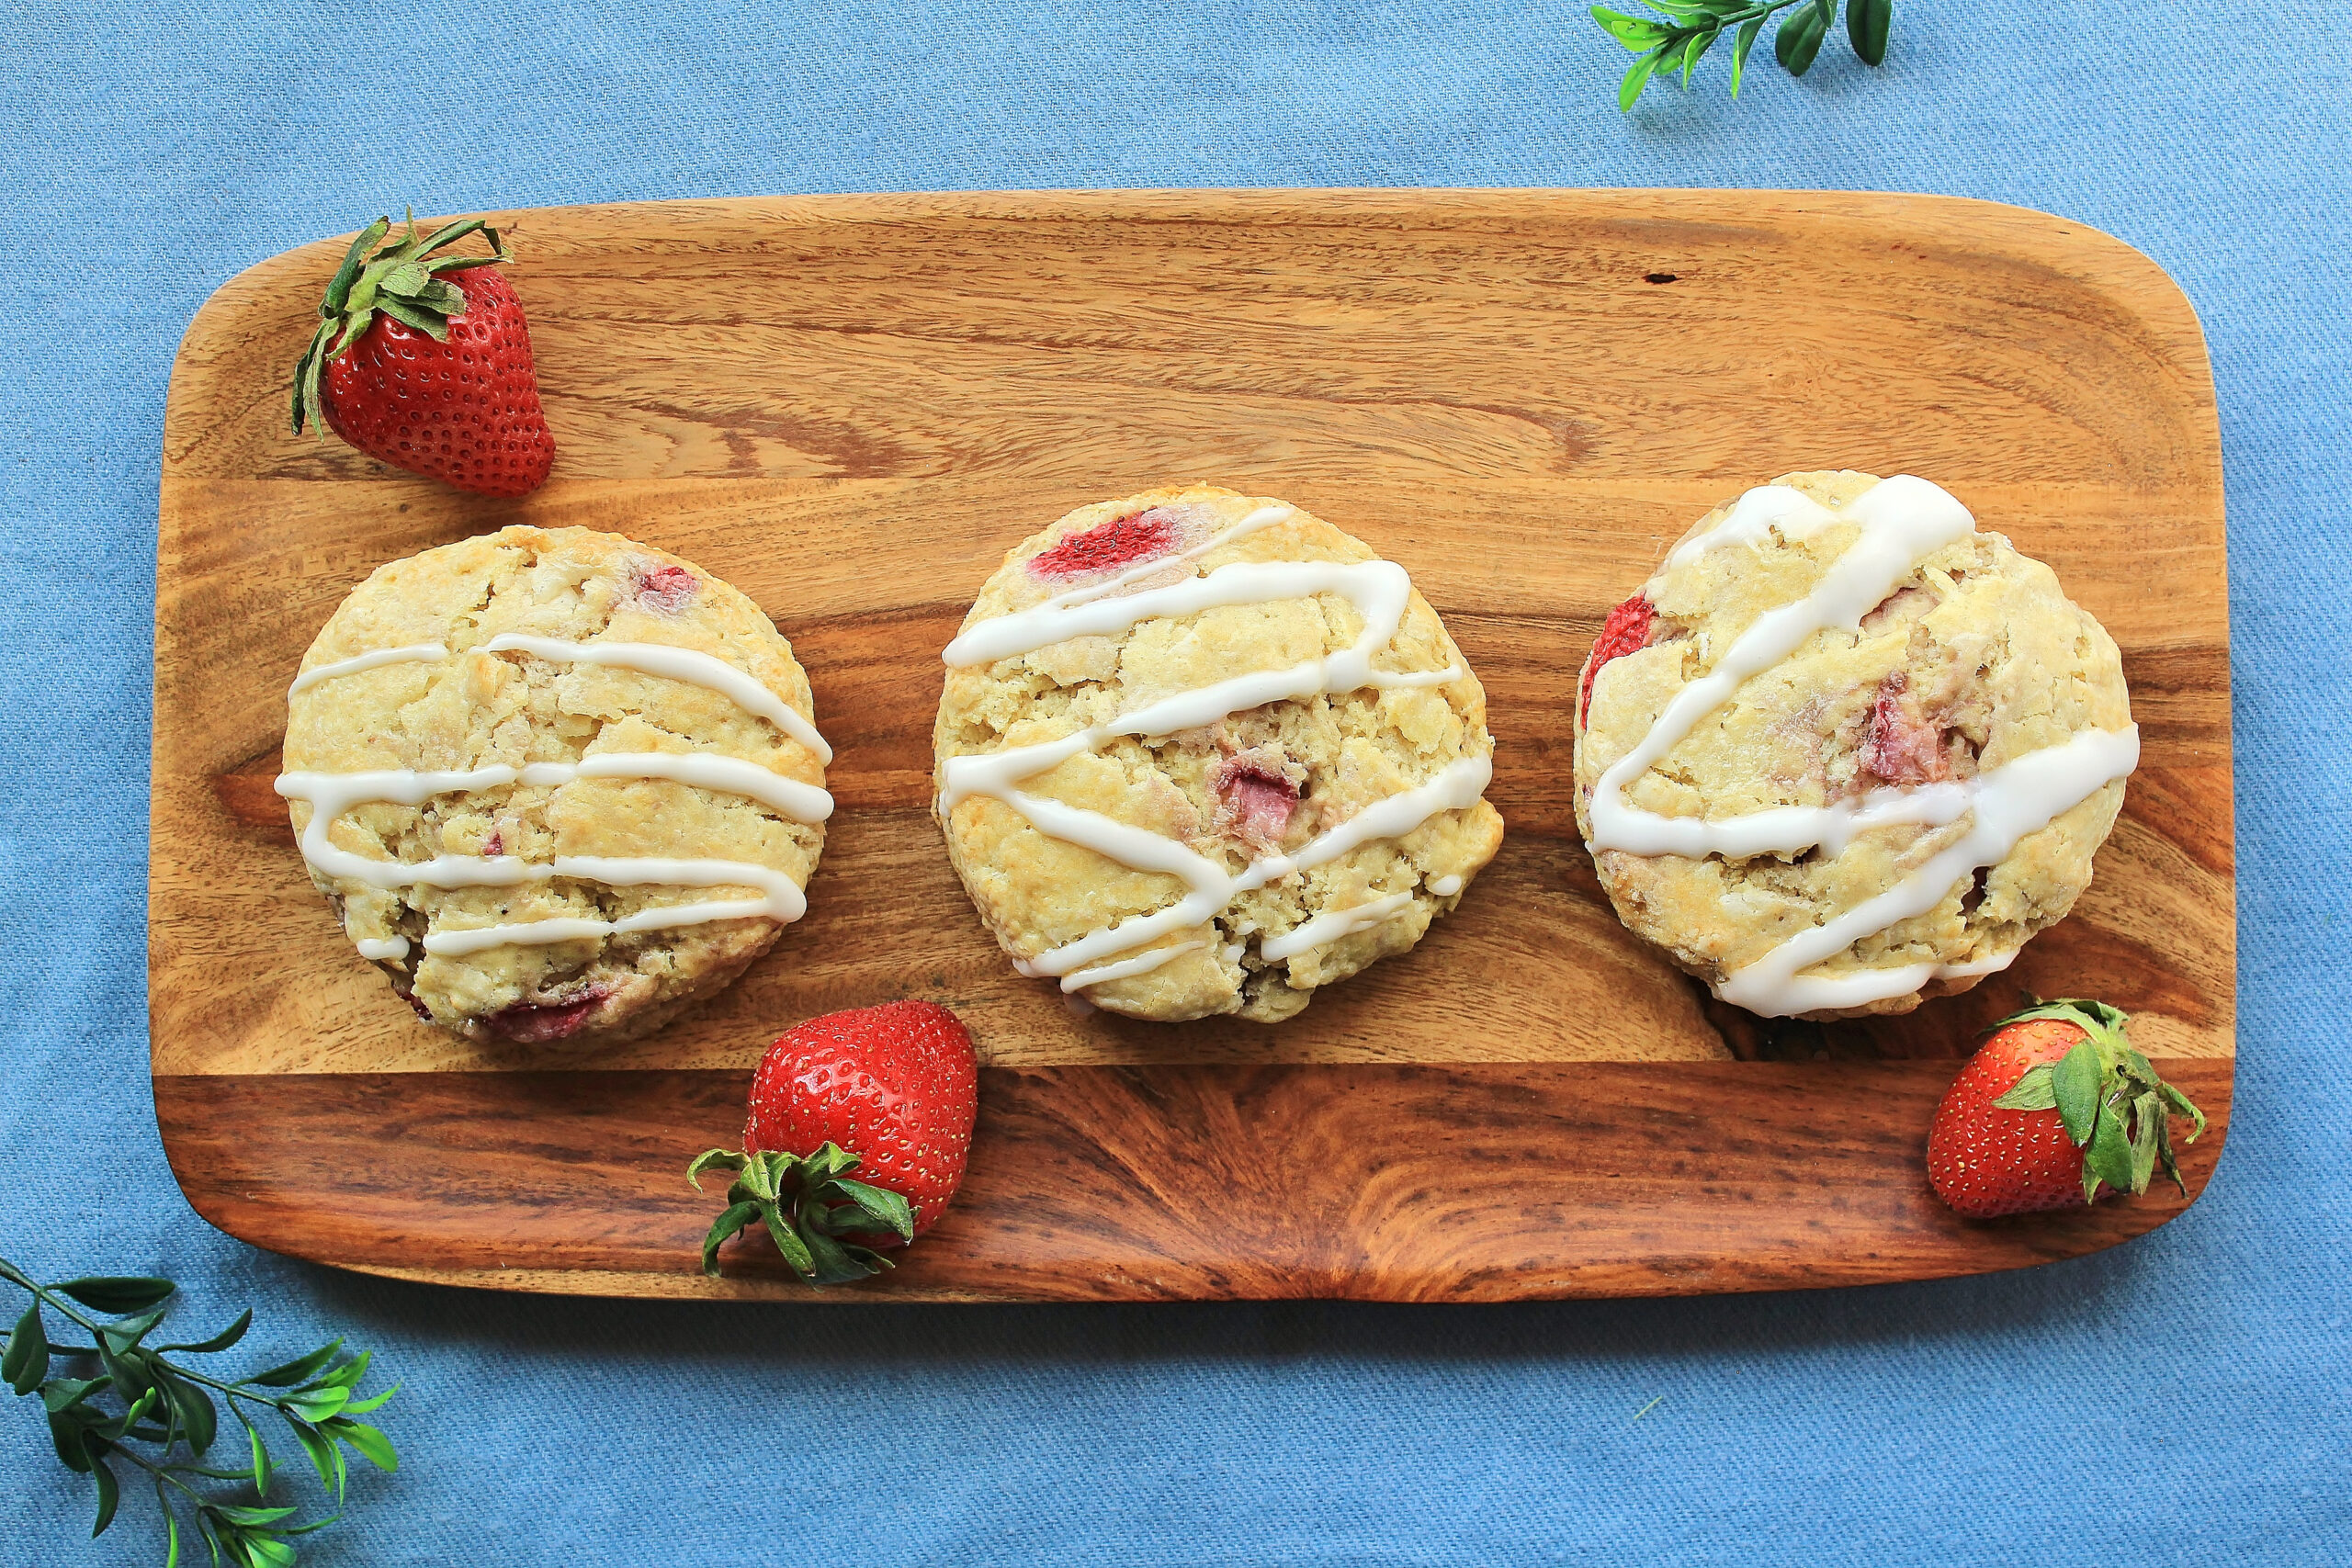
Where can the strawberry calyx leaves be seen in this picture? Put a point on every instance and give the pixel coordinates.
(403, 280)
(811, 1208)
(2110, 1100)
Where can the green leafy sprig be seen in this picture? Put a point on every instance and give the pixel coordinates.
(2114, 1106)
(813, 1211)
(118, 1391)
(1693, 27)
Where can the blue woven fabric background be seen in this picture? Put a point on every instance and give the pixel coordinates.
(2181, 1400)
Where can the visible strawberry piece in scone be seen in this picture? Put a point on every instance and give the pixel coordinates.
(1256, 790)
(1900, 745)
(533, 1023)
(1627, 631)
(1108, 546)
(665, 590)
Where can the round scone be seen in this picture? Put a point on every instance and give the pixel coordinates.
(1844, 751)
(556, 782)
(1201, 753)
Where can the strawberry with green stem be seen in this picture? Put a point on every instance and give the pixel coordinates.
(421, 358)
(2054, 1105)
(889, 1092)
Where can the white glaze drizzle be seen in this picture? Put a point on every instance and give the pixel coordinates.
(1761, 512)
(1902, 521)
(1142, 964)
(332, 795)
(415, 652)
(1333, 924)
(1446, 886)
(747, 692)
(1379, 589)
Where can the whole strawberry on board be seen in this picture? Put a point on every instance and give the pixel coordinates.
(424, 361)
(2054, 1105)
(886, 1091)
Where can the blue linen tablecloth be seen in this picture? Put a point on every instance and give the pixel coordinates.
(2180, 1400)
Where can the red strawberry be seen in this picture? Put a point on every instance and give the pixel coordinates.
(1627, 631)
(887, 1091)
(424, 362)
(2054, 1104)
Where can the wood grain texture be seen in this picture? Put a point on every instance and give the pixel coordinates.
(850, 407)
(1377, 1182)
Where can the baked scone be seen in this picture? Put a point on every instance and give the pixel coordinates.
(1201, 753)
(556, 782)
(1844, 751)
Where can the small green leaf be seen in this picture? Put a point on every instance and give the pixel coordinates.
(130, 1369)
(71, 1442)
(118, 1292)
(369, 1443)
(724, 1229)
(110, 1493)
(1636, 33)
(1740, 46)
(405, 278)
(833, 1265)
(2076, 1081)
(63, 1393)
(2182, 1105)
(315, 1404)
(1798, 39)
(198, 1418)
(252, 1517)
(443, 297)
(2147, 1127)
(325, 1458)
(880, 1204)
(432, 324)
(361, 1406)
(339, 290)
(220, 1341)
(787, 1241)
(25, 1362)
(171, 1528)
(1638, 76)
(2109, 1150)
(260, 1452)
(1694, 51)
(1867, 22)
(2032, 1091)
(345, 1376)
(722, 1159)
(130, 1330)
(297, 1369)
(269, 1552)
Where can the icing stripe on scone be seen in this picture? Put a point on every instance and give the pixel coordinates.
(414, 653)
(1333, 924)
(748, 691)
(745, 689)
(1380, 591)
(332, 795)
(1902, 521)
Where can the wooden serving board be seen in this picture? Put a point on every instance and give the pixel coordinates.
(851, 406)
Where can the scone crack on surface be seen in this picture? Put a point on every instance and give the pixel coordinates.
(1902, 758)
(1108, 716)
